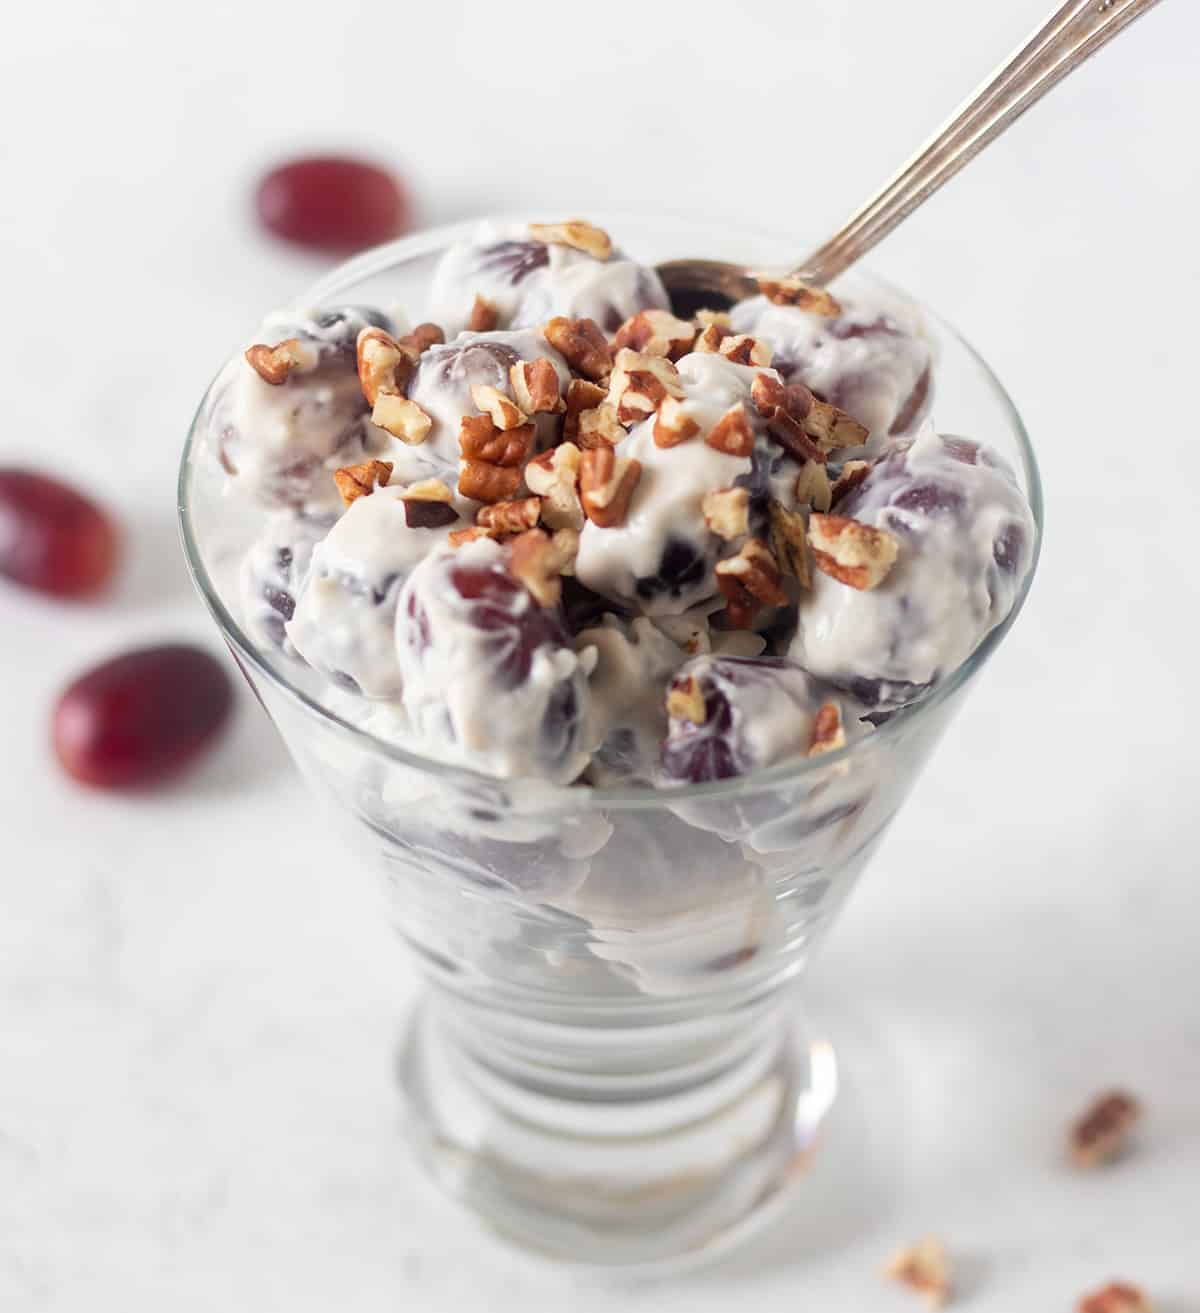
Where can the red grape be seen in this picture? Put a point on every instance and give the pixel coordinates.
(142, 716)
(52, 538)
(333, 203)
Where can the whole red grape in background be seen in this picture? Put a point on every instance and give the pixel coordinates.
(52, 538)
(332, 202)
(142, 716)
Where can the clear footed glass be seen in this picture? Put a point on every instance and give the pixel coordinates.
(610, 1063)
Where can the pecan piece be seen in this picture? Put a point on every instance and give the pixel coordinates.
(1103, 1131)
(582, 344)
(640, 383)
(1116, 1297)
(427, 505)
(581, 396)
(732, 433)
(727, 512)
(851, 475)
(748, 582)
(458, 537)
(422, 338)
(672, 425)
(577, 233)
(355, 481)
(743, 349)
(484, 316)
(791, 291)
(401, 418)
(768, 394)
(599, 427)
(829, 426)
(539, 561)
(274, 364)
(606, 483)
(685, 701)
(789, 541)
(828, 734)
(384, 365)
(503, 412)
(812, 486)
(480, 440)
(656, 333)
(481, 481)
(709, 340)
(706, 319)
(554, 477)
(535, 386)
(851, 552)
(923, 1268)
(510, 517)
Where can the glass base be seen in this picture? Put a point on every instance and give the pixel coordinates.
(630, 1167)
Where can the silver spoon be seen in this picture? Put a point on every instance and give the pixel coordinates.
(1075, 31)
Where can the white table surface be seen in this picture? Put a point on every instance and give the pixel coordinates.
(198, 996)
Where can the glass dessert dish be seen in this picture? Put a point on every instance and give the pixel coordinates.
(609, 1062)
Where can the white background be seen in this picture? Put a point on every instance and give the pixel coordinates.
(198, 997)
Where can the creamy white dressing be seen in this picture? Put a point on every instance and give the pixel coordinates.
(945, 592)
(570, 282)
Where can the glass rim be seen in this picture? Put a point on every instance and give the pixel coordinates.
(377, 260)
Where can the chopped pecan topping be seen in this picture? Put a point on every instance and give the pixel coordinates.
(480, 440)
(707, 318)
(656, 333)
(355, 481)
(273, 364)
(599, 427)
(503, 412)
(672, 425)
(535, 386)
(711, 336)
(685, 701)
(458, 537)
(606, 483)
(422, 338)
(812, 486)
(852, 474)
(640, 384)
(510, 517)
(784, 412)
(743, 349)
(1103, 1131)
(427, 505)
(791, 291)
(768, 394)
(554, 477)
(483, 481)
(384, 364)
(539, 561)
(484, 316)
(422, 514)
(428, 490)
(727, 512)
(851, 552)
(826, 424)
(401, 418)
(748, 582)
(789, 541)
(732, 433)
(581, 396)
(582, 344)
(923, 1268)
(1116, 1297)
(828, 733)
(577, 233)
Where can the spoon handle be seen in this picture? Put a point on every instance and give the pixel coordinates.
(1075, 31)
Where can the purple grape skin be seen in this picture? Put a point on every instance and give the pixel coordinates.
(681, 567)
(517, 259)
